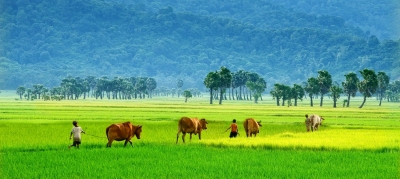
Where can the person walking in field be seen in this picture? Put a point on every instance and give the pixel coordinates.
(234, 129)
(76, 132)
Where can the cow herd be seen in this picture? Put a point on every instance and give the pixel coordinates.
(126, 131)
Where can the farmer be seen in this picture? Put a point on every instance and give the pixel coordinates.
(234, 129)
(76, 131)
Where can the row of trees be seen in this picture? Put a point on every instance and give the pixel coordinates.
(219, 82)
(72, 88)
(322, 85)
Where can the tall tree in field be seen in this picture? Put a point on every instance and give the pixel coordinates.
(187, 94)
(234, 85)
(277, 92)
(37, 90)
(325, 83)
(225, 81)
(240, 79)
(211, 82)
(312, 88)
(20, 91)
(297, 93)
(92, 83)
(141, 87)
(383, 83)
(287, 94)
(151, 85)
(257, 87)
(350, 86)
(369, 85)
(335, 94)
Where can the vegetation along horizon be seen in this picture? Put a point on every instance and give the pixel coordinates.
(351, 143)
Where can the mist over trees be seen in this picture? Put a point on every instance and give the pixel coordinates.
(42, 42)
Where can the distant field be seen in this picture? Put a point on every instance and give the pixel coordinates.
(352, 143)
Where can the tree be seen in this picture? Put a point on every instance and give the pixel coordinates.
(20, 91)
(240, 80)
(297, 93)
(212, 81)
(257, 86)
(225, 81)
(383, 83)
(141, 86)
(277, 92)
(287, 94)
(91, 80)
(37, 90)
(187, 94)
(350, 86)
(312, 88)
(335, 94)
(325, 83)
(151, 85)
(369, 85)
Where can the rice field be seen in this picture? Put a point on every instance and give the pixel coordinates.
(351, 143)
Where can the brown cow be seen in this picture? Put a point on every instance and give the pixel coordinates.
(191, 126)
(313, 122)
(123, 131)
(251, 126)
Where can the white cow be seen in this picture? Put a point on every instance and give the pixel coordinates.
(313, 122)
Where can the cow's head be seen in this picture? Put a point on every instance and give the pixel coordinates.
(203, 123)
(259, 123)
(308, 123)
(138, 131)
(321, 120)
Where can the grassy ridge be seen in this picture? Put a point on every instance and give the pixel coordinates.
(352, 143)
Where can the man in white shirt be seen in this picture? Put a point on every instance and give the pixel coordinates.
(76, 131)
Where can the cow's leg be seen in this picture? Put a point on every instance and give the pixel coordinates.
(183, 136)
(177, 136)
(199, 135)
(126, 141)
(109, 142)
(130, 142)
(191, 136)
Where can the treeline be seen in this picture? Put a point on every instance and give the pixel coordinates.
(44, 41)
(223, 81)
(240, 85)
(118, 88)
(323, 85)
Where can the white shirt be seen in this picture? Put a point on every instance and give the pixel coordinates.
(77, 133)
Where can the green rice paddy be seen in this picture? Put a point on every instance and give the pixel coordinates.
(351, 143)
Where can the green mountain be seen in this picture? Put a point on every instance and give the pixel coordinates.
(44, 41)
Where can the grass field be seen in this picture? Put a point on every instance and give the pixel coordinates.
(352, 143)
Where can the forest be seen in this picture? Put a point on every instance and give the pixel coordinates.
(43, 42)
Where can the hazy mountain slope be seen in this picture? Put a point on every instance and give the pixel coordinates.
(377, 17)
(45, 41)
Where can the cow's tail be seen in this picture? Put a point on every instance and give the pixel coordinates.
(108, 128)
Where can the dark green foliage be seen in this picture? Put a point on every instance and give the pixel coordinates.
(369, 85)
(383, 83)
(324, 82)
(335, 94)
(350, 86)
(312, 88)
